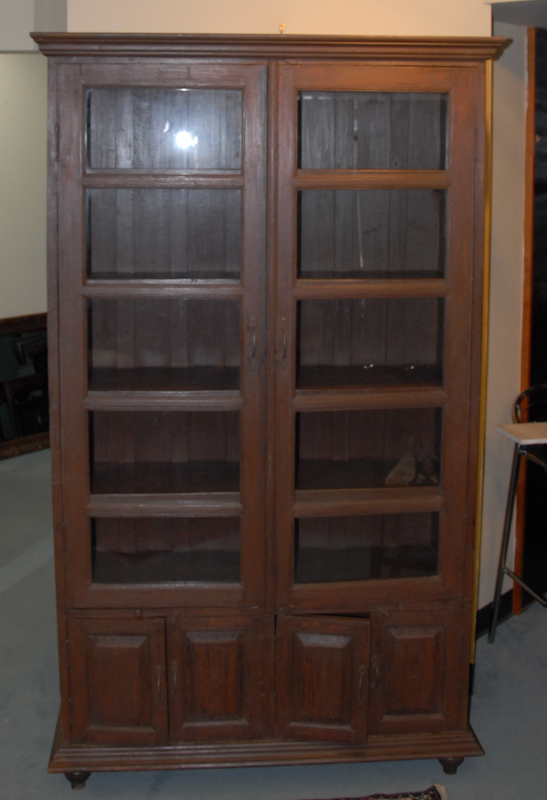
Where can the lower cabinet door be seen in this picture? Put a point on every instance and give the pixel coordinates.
(117, 676)
(322, 676)
(219, 677)
(419, 671)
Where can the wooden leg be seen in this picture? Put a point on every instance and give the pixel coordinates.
(450, 765)
(77, 779)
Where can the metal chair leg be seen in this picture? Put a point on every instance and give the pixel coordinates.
(505, 541)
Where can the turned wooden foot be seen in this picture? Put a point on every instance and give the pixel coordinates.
(450, 765)
(77, 779)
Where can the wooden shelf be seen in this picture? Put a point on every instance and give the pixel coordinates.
(163, 478)
(368, 376)
(329, 565)
(201, 504)
(356, 474)
(368, 397)
(338, 502)
(207, 566)
(164, 379)
(223, 284)
(371, 283)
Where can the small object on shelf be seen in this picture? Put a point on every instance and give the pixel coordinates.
(403, 473)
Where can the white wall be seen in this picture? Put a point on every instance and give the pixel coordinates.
(16, 20)
(506, 289)
(359, 17)
(23, 184)
(19, 17)
(50, 15)
(23, 87)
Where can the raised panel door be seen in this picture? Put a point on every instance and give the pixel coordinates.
(322, 668)
(118, 681)
(219, 677)
(419, 671)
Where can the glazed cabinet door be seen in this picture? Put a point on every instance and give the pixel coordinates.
(118, 686)
(376, 355)
(322, 668)
(219, 677)
(162, 331)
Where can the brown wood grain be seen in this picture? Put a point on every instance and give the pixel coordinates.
(248, 337)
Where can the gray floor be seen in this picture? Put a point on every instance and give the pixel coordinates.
(509, 708)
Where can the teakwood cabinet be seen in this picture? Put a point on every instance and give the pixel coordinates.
(265, 338)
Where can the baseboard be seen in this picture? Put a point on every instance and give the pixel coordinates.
(24, 444)
(30, 322)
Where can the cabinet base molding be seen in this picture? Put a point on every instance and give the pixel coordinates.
(451, 747)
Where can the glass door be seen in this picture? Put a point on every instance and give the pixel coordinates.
(374, 299)
(164, 386)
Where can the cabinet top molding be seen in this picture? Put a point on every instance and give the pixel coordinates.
(297, 47)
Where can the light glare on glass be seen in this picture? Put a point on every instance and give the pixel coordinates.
(185, 140)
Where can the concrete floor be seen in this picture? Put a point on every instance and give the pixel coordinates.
(509, 707)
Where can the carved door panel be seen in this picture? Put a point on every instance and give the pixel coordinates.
(118, 681)
(218, 677)
(419, 661)
(322, 678)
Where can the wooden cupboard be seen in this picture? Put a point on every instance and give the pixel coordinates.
(265, 263)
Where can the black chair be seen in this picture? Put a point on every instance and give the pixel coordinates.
(530, 406)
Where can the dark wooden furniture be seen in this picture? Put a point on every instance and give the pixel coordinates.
(24, 423)
(266, 295)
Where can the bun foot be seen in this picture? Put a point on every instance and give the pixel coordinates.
(450, 765)
(77, 779)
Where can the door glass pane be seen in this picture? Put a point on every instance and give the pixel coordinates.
(164, 233)
(372, 130)
(163, 550)
(370, 342)
(134, 452)
(153, 344)
(366, 547)
(374, 448)
(151, 128)
(373, 233)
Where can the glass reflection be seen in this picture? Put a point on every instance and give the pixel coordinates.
(184, 140)
(145, 128)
